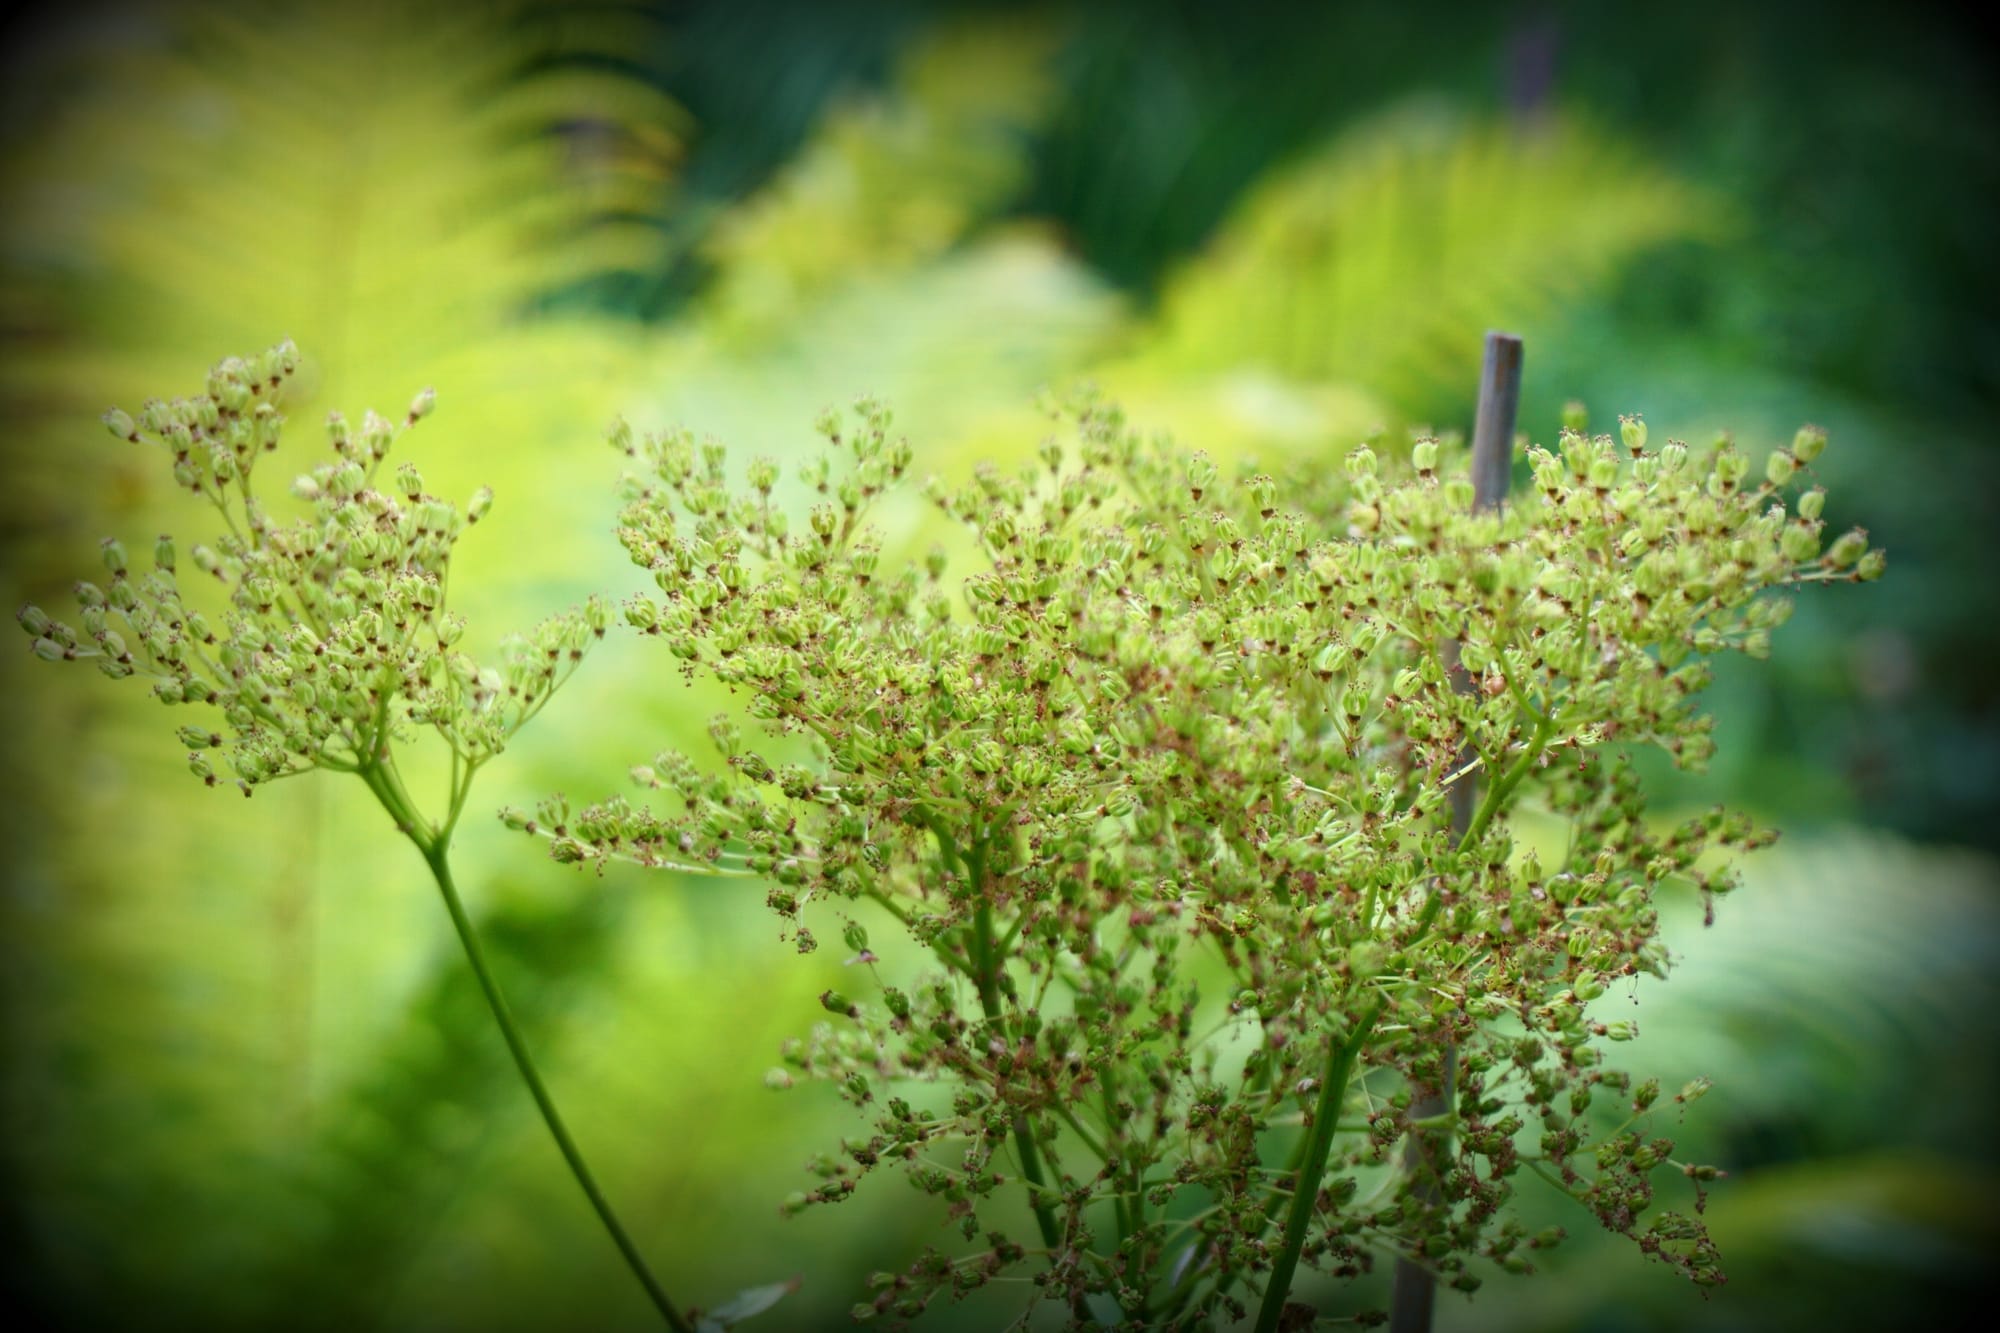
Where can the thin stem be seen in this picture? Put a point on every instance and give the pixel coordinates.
(1340, 1061)
(435, 857)
(988, 982)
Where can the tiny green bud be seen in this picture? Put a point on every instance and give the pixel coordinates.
(1361, 462)
(619, 435)
(422, 405)
(1757, 644)
(33, 619)
(1812, 504)
(1200, 475)
(1779, 467)
(50, 651)
(478, 507)
(1622, 1030)
(1808, 444)
(1575, 417)
(1424, 456)
(198, 738)
(855, 936)
(836, 1003)
(163, 552)
(1872, 566)
(114, 556)
(1632, 430)
(1849, 547)
(121, 424)
(1798, 543)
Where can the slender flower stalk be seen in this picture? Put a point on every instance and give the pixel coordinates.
(326, 643)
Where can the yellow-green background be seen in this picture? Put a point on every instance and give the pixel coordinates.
(247, 1082)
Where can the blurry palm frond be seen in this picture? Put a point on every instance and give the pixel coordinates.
(1376, 262)
(887, 181)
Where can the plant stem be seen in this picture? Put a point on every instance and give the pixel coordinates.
(435, 856)
(1340, 1060)
(988, 982)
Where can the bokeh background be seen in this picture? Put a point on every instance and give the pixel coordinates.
(247, 1081)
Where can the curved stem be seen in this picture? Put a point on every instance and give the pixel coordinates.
(1340, 1060)
(435, 857)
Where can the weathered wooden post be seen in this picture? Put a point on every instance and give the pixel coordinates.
(1415, 1290)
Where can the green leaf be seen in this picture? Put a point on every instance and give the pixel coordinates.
(744, 1304)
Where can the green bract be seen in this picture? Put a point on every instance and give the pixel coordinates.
(1165, 782)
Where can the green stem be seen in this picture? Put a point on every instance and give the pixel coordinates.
(988, 982)
(1340, 1061)
(435, 857)
(436, 853)
(1489, 806)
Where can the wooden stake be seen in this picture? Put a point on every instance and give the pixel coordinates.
(1414, 1294)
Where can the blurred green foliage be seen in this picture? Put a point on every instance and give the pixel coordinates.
(245, 1083)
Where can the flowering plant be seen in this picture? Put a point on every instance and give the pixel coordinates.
(1163, 787)
(325, 644)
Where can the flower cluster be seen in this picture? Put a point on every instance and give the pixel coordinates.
(315, 643)
(1165, 783)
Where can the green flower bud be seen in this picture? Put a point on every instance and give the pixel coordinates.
(1779, 467)
(1847, 548)
(836, 1003)
(1575, 417)
(1812, 504)
(33, 619)
(1200, 475)
(121, 424)
(50, 651)
(480, 504)
(1424, 456)
(1808, 444)
(114, 556)
(1632, 430)
(198, 738)
(855, 936)
(1757, 644)
(422, 405)
(1799, 543)
(409, 480)
(1871, 566)
(1622, 1030)
(1361, 462)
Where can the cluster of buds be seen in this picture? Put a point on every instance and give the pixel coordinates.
(314, 643)
(1165, 785)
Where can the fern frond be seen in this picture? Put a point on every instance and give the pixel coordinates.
(1382, 257)
(886, 182)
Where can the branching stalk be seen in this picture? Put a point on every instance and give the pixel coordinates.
(1340, 1061)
